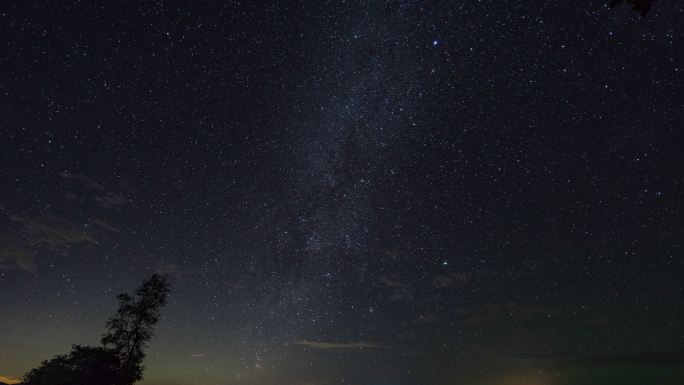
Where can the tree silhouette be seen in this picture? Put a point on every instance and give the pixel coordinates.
(132, 326)
(119, 360)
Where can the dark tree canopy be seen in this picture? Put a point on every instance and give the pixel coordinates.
(84, 365)
(119, 360)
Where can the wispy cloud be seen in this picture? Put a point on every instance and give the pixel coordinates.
(25, 235)
(110, 199)
(14, 263)
(637, 359)
(170, 269)
(317, 381)
(400, 290)
(451, 280)
(16, 252)
(51, 231)
(336, 345)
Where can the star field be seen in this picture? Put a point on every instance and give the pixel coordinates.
(348, 192)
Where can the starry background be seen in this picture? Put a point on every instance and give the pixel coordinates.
(397, 192)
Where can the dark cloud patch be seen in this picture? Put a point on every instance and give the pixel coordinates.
(643, 7)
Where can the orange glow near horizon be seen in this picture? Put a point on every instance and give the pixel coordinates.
(8, 380)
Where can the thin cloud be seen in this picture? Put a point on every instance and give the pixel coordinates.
(110, 199)
(22, 236)
(51, 231)
(400, 290)
(16, 253)
(636, 359)
(336, 345)
(12, 263)
(451, 280)
(170, 269)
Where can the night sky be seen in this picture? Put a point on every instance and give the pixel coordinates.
(358, 193)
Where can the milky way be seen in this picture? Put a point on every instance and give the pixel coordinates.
(348, 193)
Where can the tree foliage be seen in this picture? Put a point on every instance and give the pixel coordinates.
(119, 361)
(84, 365)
